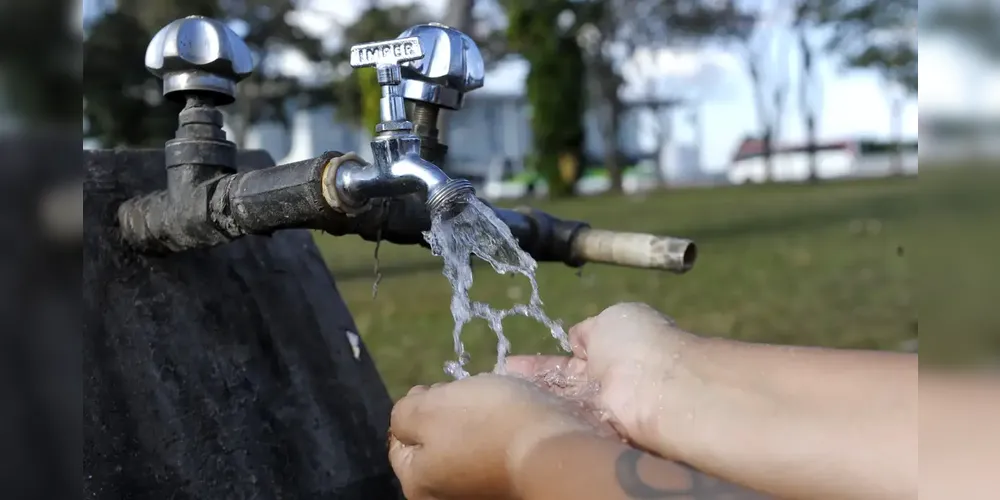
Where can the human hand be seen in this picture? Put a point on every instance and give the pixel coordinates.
(634, 353)
(470, 438)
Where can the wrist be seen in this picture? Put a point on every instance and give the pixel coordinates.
(667, 381)
(698, 402)
(526, 466)
(554, 464)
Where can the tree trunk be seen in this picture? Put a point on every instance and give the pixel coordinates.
(813, 159)
(763, 118)
(806, 105)
(612, 145)
(699, 137)
(768, 154)
(896, 131)
(665, 129)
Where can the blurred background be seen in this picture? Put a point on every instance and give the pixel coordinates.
(780, 135)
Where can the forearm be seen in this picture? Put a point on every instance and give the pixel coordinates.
(826, 377)
(583, 466)
(959, 444)
(798, 422)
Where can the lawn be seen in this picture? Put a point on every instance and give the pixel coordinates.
(823, 265)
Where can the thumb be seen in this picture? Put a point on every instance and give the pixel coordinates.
(401, 457)
(408, 418)
(532, 366)
(580, 335)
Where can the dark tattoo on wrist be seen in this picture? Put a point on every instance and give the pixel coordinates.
(699, 485)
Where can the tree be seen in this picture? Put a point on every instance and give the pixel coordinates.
(752, 31)
(39, 68)
(973, 23)
(554, 86)
(808, 15)
(123, 33)
(879, 35)
(609, 32)
(650, 82)
(123, 101)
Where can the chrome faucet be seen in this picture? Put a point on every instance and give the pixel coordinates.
(398, 169)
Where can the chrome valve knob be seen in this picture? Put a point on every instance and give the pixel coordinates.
(199, 54)
(451, 67)
(386, 57)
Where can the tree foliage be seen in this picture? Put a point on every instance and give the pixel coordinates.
(119, 91)
(39, 63)
(609, 32)
(554, 86)
(807, 16)
(974, 23)
(123, 106)
(877, 35)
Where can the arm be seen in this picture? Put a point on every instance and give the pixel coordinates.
(582, 466)
(959, 441)
(796, 422)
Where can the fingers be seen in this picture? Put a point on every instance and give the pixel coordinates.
(531, 366)
(406, 419)
(402, 459)
(579, 337)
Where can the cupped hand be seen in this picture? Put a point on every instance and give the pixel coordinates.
(633, 353)
(469, 438)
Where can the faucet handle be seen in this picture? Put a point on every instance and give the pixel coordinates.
(385, 57)
(199, 54)
(453, 66)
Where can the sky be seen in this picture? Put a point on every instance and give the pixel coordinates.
(854, 104)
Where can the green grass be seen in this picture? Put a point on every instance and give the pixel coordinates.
(819, 265)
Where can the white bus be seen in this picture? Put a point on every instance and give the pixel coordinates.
(861, 158)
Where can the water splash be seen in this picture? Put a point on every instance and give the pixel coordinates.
(581, 393)
(476, 230)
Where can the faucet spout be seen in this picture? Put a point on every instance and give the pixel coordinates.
(398, 169)
(358, 183)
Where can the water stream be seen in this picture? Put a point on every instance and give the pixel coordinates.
(476, 230)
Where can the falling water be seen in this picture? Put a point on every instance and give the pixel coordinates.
(476, 230)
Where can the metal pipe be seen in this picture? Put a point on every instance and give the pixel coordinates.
(641, 250)
(424, 117)
(293, 196)
(265, 200)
